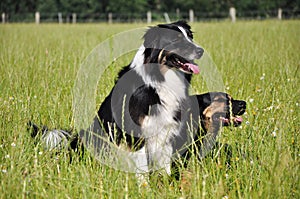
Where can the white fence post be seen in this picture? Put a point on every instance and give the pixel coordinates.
(110, 20)
(167, 18)
(279, 13)
(3, 17)
(232, 14)
(191, 14)
(60, 20)
(177, 13)
(149, 17)
(37, 17)
(74, 18)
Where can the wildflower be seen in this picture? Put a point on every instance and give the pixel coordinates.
(273, 134)
(35, 97)
(225, 197)
(4, 171)
(226, 176)
(11, 98)
(262, 77)
(7, 156)
(41, 153)
(144, 184)
(13, 144)
(247, 123)
(251, 100)
(269, 108)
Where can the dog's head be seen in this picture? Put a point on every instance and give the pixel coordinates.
(172, 46)
(219, 108)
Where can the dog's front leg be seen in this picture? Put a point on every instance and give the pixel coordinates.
(159, 154)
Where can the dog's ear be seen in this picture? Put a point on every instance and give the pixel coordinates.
(186, 26)
(204, 100)
(207, 100)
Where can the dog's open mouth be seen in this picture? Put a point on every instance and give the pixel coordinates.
(182, 64)
(236, 121)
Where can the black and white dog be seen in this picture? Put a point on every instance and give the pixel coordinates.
(146, 105)
(149, 107)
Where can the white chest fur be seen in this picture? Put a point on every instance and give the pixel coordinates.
(159, 128)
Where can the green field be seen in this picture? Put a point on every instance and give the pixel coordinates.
(259, 62)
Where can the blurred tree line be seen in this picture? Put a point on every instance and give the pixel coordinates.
(141, 6)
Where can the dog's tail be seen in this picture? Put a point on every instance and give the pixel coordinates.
(55, 139)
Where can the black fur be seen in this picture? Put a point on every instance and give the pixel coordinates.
(137, 95)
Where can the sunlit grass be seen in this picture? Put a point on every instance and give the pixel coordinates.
(259, 62)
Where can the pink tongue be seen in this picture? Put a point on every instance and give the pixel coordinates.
(192, 67)
(239, 119)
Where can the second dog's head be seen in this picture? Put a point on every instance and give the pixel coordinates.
(172, 46)
(217, 108)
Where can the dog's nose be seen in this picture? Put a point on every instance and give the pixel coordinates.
(199, 51)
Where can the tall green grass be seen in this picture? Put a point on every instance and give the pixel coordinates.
(259, 62)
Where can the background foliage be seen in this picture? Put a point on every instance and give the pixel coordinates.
(142, 6)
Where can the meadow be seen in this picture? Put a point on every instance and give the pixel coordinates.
(259, 62)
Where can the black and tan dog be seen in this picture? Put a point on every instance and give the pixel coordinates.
(217, 109)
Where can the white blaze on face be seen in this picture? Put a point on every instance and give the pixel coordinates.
(192, 55)
(184, 34)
